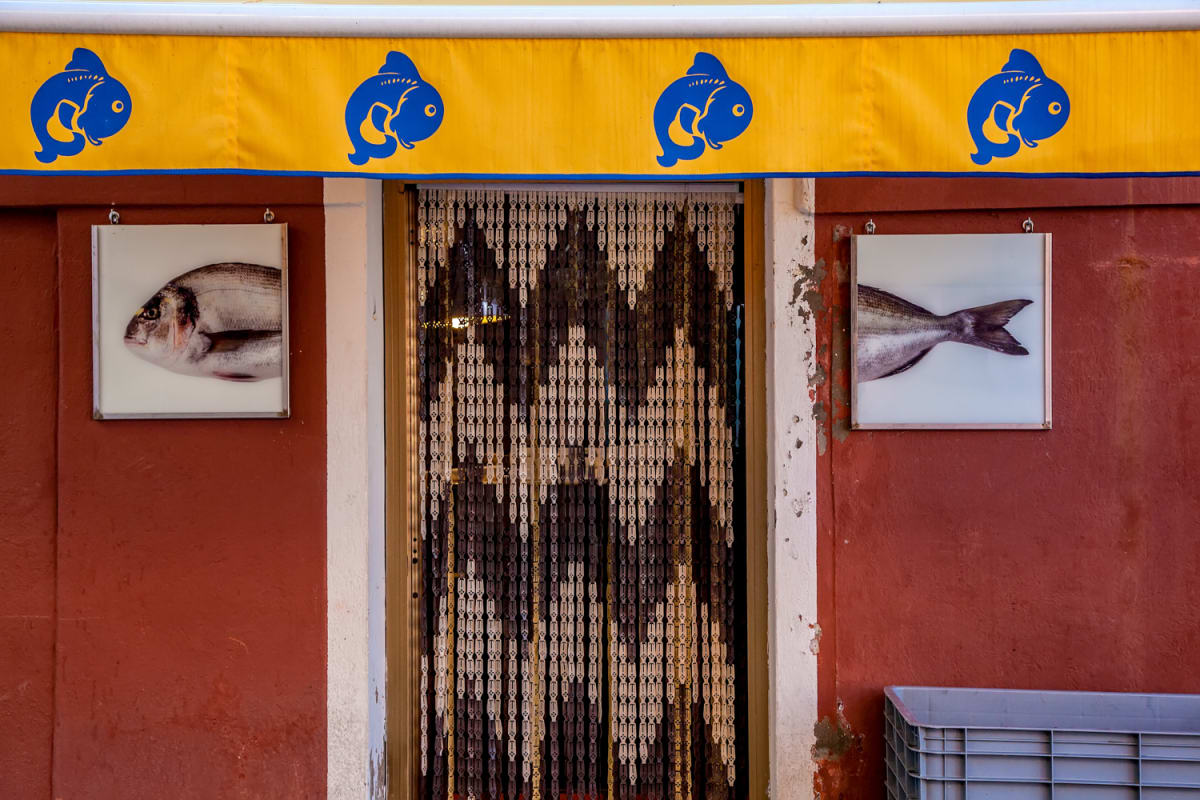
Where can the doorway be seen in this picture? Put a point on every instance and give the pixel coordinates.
(576, 598)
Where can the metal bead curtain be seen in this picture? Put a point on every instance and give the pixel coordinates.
(578, 414)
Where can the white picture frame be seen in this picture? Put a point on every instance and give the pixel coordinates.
(185, 322)
(968, 282)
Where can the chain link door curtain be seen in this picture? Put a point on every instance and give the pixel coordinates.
(580, 573)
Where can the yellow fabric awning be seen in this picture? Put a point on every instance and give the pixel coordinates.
(1038, 104)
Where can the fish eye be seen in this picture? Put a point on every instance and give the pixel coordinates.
(738, 110)
(430, 110)
(150, 313)
(1055, 107)
(117, 106)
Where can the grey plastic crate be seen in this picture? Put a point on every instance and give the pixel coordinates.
(995, 744)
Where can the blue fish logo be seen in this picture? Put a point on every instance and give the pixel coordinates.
(81, 105)
(702, 109)
(1020, 105)
(395, 107)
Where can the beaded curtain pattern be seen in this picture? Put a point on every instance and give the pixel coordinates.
(579, 387)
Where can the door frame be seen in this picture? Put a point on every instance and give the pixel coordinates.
(401, 538)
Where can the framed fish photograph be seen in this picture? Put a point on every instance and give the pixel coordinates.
(950, 331)
(189, 321)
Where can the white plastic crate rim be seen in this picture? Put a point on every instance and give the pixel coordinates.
(994, 744)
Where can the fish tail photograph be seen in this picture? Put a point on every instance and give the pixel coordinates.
(560, 400)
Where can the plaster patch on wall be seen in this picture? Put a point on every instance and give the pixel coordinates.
(797, 292)
(812, 307)
(837, 755)
(841, 271)
(820, 415)
(378, 789)
(839, 358)
(818, 376)
(807, 300)
(812, 298)
(834, 737)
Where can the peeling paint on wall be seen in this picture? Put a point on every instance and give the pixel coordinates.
(807, 300)
(818, 377)
(820, 414)
(839, 388)
(837, 755)
(839, 330)
(377, 790)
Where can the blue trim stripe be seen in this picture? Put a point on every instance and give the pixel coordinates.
(598, 176)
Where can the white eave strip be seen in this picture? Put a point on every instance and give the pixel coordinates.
(609, 21)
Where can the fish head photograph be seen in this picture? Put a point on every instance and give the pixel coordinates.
(950, 331)
(183, 330)
(221, 320)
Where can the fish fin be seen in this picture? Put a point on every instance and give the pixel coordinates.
(1023, 61)
(53, 147)
(983, 326)
(401, 65)
(364, 151)
(232, 341)
(373, 128)
(907, 365)
(85, 59)
(61, 126)
(900, 301)
(707, 64)
(682, 130)
(999, 122)
(380, 115)
(995, 149)
(679, 142)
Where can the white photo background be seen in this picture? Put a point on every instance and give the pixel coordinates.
(958, 384)
(131, 263)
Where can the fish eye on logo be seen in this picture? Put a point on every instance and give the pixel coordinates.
(703, 109)
(79, 106)
(393, 108)
(1017, 106)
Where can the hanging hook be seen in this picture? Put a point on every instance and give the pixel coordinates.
(870, 226)
(113, 217)
(268, 216)
(1027, 225)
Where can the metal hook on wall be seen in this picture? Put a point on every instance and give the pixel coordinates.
(113, 217)
(268, 216)
(870, 226)
(1027, 225)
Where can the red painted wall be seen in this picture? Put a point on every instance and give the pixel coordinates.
(28, 347)
(1066, 559)
(175, 576)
